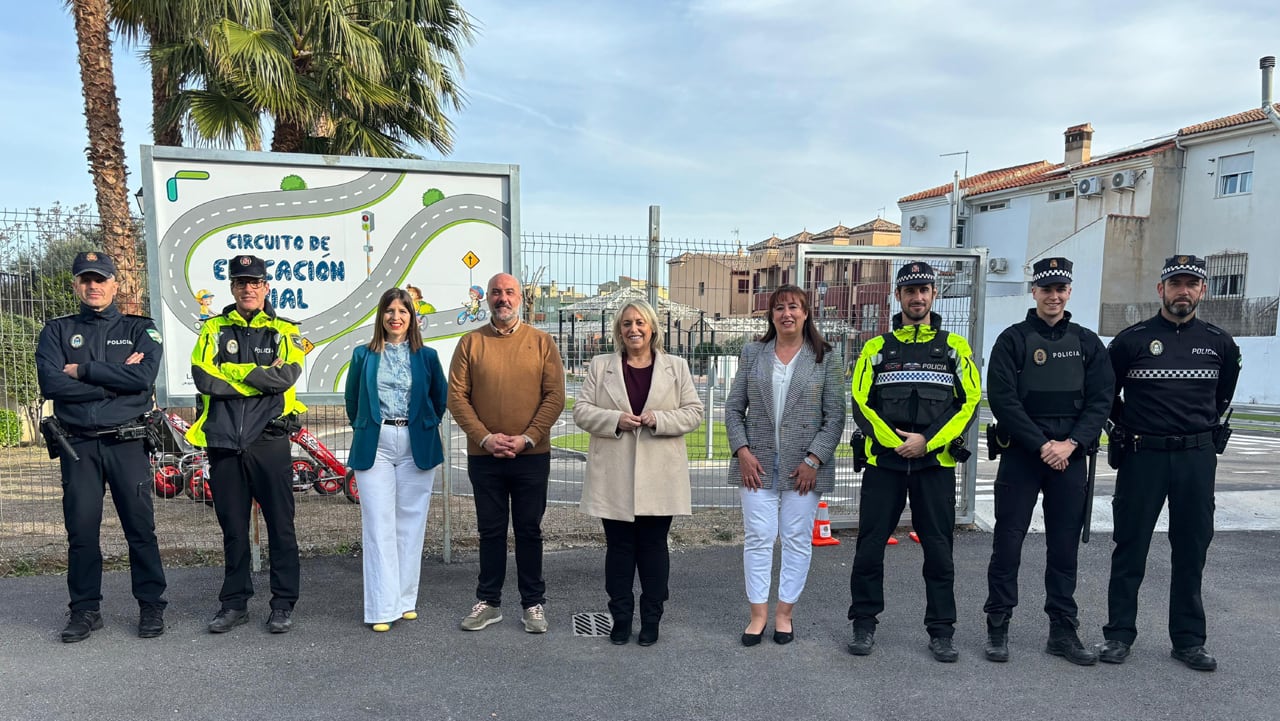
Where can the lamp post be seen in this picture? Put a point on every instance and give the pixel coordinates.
(138, 198)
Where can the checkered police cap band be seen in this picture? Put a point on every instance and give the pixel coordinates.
(1183, 264)
(1054, 273)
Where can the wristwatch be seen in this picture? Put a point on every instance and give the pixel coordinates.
(1073, 442)
(811, 463)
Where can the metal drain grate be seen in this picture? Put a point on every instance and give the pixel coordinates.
(592, 625)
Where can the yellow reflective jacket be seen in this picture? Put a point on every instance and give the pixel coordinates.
(882, 437)
(245, 371)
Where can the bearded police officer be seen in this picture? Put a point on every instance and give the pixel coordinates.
(245, 364)
(98, 367)
(1175, 375)
(1050, 388)
(916, 389)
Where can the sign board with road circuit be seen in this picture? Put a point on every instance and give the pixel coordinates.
(335, 233)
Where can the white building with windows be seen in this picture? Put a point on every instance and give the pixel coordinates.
(1211, 189)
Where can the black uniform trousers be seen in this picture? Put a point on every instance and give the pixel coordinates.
(123, 467)
(1143, 481)
(262, 472)
(933, 516)
(1022, 477)
(632, 547)
(512, 489)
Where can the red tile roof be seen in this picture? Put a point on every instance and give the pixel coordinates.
(1248, 116)
(974, 184)
(877, 225)
(1054, 172)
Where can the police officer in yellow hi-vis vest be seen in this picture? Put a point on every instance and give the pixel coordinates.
(245, 364)
(916, 390)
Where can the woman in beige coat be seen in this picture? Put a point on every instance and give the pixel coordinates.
(637, 404)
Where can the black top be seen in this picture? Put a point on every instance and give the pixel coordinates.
(1176, 378)
(1020, 423)
(106, 392)
(638, 381)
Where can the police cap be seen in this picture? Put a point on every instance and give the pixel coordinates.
(247, 266)
(917, 272)
(93, 262)
(1183, 265)
(1050, 271)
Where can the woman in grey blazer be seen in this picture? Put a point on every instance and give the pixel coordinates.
(784, 416)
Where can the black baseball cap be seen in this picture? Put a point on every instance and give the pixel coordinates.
(917, 272)
(247, 266)
(1183, 265)
(93, 262)
(1049, 271)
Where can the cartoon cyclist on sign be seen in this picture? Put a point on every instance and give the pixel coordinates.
(472, 310)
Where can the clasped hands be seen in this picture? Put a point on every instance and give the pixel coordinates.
(502, 445)
(630, 421)
(1057, 454)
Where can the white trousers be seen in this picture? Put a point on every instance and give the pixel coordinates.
(766, 515)
(395, 496)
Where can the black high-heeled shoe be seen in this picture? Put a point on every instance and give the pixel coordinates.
(783, 637)
(752, 639)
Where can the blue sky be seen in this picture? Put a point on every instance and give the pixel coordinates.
(765, 116)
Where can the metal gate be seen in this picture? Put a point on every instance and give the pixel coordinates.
(851, 289)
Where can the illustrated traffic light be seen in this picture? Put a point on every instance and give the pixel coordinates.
(366, 221)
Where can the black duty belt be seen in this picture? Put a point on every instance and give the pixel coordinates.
(401, 422)
(1172, 443)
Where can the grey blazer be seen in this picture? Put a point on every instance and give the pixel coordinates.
(812, 422)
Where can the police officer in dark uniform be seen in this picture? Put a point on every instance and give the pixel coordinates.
(245, 363)
(1050, 387)
(916, 390)
(1177, 375)
(98, 367)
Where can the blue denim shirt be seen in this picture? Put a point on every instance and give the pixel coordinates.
(394, 381)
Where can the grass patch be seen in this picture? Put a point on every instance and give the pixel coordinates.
(695, 443)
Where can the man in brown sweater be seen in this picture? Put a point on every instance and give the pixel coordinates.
(506, 389)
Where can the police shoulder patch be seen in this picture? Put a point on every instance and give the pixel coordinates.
(296, 340)
(155, 335)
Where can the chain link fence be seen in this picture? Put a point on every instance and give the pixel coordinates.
(711, 299)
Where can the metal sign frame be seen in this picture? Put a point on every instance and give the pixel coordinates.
(965, 511)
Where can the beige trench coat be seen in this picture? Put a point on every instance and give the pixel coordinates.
(644, 472)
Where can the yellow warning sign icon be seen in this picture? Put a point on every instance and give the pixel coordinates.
(470, 259)
(307, 346)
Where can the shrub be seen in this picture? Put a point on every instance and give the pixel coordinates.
(10, 428)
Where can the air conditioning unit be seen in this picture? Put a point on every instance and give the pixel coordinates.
(997, 265)
(1089, 186)
(1124, 180)
(918, 222)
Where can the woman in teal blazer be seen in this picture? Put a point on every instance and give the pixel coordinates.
(395, 394)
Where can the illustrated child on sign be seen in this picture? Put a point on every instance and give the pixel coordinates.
(205, 299)
(422, 307)
(476, 294)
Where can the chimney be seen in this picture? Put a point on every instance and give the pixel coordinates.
(1079, 138)
(1268, 66)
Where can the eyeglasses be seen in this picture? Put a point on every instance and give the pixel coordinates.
(248, 282)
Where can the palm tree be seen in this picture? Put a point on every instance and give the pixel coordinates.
(106, 143)
(348, 77)
(159, 23)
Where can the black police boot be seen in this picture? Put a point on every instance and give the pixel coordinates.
(80, 624)
(943, 649)
(864, 639)
(227, 619)
(150, 621)
(997, 648)
(1195, 657)
(1112, 651)
(1064, 642)
(280, 621)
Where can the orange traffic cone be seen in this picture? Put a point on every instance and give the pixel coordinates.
(892, 541)
(914, 536)
(822, 528)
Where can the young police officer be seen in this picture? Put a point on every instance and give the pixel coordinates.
(916, 389)
(245, 364)
(98, 367)
(1050, 388)
(1178, 374)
